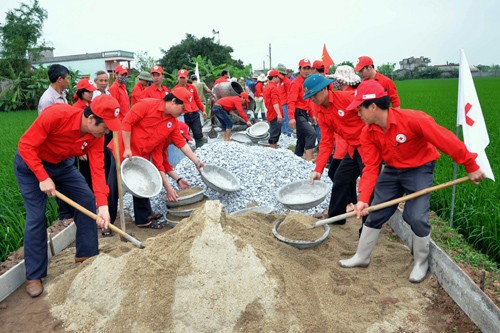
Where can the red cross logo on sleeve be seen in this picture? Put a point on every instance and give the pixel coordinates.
(468, 119)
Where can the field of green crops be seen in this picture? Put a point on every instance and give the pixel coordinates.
(477, 212)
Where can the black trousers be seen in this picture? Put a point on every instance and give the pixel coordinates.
(192, 119)
(306, 136)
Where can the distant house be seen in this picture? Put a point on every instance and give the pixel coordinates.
(413, 63)
(89, 63)
(419, 68)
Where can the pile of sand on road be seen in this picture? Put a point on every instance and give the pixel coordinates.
(219, 273)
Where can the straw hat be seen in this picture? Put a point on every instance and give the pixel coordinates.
(345, 74)
(262, 78)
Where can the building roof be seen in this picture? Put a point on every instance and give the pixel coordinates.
(118, 55)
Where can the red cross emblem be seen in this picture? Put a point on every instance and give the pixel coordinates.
(468, 119)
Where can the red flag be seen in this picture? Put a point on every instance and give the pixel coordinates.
(327, 60)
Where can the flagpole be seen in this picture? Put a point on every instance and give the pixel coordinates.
(454, 188)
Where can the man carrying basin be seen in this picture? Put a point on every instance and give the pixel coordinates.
(224, 106)
(148, 128)
(406, 140)
(43, 162)
(333, 119)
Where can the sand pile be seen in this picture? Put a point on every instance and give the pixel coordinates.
(218, 273)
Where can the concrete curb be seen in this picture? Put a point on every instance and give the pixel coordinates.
(15, 277)
(472, 300)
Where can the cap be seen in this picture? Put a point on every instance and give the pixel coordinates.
(318, 64)
(245, 96)
(182, 73)
(107, 108)
(314, 84)
(273, 72)
(120, 69)
(144, 76)
(304, 63)
(194, 77)
(362, 62)
(367, 90)
(156, 69)
(184, 129)
(182, 94)
(345, 74)
(85, 84)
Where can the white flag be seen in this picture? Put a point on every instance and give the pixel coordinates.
(470, 116)
(197, 72)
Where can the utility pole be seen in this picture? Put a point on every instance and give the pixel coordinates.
(270, 63)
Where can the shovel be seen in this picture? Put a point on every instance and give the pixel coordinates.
(119, 179)
(94, 216)
(391, 202)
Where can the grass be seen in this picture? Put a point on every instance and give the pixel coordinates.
(12, 212)
(477, 214)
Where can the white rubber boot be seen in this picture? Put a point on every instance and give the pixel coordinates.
(420, 258)
(367, 242)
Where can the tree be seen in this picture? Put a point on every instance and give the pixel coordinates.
(387, 69)
(20, 39)
(182, 54)
(343, 63)
(143, 61)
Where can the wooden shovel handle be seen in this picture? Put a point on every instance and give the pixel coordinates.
(392, 202)
(94, 216)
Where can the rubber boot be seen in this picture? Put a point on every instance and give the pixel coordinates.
(199, 142)
(366, 244)
(420, 258)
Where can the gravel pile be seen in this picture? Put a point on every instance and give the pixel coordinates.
(261, 171)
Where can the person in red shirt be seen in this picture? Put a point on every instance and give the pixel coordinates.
(406, 140)
(147, 130)
(42, 165)
(273, 106)
(366, 70)
(143, 80)
(193, 108)
(119, 90)
(298, 111)
(224, 77)
(260, 109)
(283, 89)
(333, 119)
(226, 105)
(83, 96)
(157, 89)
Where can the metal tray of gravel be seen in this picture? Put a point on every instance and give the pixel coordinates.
(140, 177)
(300, 244)
(259, 209)
(173, 220)
(219, 179)
(258, 129)
(187, 197)
(241, 138)
(185, 211)
(301, 194)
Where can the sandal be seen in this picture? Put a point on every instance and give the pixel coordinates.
(155, 216)
(106, 232)
(151, 225)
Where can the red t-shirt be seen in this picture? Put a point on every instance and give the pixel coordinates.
(409, 141)
(137, 93)
(150, 130)
(283, 89)
(296, 97)
(390, 87)
(259, 89)
(55, 136)
(271, 97)
(196, 103)
(154, 92)
(119, 92)
(79, 104)
(231, 103)
(220, 80)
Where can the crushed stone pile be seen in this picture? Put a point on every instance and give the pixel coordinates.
(220, 273)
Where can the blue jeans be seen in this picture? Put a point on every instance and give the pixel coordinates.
(285, 128)
(392, 183)
(223, 116)
(70, 182)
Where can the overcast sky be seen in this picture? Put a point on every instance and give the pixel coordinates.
(388, 31)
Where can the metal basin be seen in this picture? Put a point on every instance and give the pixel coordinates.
(219, 179)
(258, 129)
(187, 199)
(264, 143)
(298, 243)
(260, 209)
(241, 138)
(301, 195)
(140, 177)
